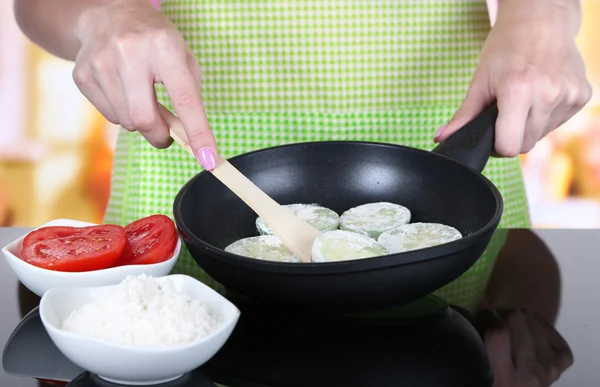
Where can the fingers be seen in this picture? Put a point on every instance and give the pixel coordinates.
(514, 105)
(181, 79)
(522, 343)
(533, 98)
(88, 87)
(517, 126)
(543, 351)
(142, 106)
(107, 79)
(528, 370)
(559, 345)
(476, 100)
(540, 354)
(117, 67)
(498, 346)
(536, 124)
(576, 93)
(523, 348)
(529, 110)
(125, 95)
(85, 81)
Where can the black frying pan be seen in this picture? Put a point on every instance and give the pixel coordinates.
(443, 186)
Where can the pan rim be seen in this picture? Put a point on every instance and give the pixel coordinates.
(350, 266)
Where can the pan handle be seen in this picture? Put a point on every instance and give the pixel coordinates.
(473, 144)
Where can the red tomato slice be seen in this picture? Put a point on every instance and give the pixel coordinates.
(150, 240)
(76, 253)
(52, 382)
(53, 232)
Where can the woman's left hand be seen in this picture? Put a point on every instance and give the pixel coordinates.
(532, 68)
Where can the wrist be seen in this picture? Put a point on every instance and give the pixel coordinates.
(571, 10)
(99, 15)
(566, 13)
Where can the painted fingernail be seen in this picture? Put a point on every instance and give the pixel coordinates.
(206, 158)
(439, 133)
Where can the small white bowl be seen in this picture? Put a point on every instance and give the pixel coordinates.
(39, 280)
(133, 365)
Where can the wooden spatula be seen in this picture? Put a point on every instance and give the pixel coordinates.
(294, 232)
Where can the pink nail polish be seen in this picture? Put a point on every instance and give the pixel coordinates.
(206, 158)
(439, 132)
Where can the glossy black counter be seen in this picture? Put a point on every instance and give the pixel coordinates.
(576, 252)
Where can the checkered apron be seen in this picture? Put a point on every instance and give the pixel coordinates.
(277, 72)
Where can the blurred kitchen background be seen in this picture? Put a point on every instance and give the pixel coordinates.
(56, 149)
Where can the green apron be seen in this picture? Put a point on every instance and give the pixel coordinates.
(285, 71)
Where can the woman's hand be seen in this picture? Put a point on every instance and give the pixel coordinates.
(127, 47)
(524, 349)
(531, 66)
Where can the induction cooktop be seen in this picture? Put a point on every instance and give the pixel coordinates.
(426, 343)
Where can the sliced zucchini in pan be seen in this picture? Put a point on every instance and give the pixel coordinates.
(323, 219)
(374, 218)
(339, 245)
(417, 236)
(267, 247)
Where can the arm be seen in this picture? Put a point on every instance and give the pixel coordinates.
(515, 8)
(121, 48)
(55, 25)
(526, 276)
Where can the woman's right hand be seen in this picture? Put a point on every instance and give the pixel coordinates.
(127, 47)
(524, 349)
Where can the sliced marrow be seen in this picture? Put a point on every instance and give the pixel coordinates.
(339, 245)
(266, 247)
(323, 219)
(416, 236)
(373, 219)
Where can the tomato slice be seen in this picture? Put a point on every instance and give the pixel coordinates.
(149, 240)
(76, 253)
(53, 232)
(52, 382)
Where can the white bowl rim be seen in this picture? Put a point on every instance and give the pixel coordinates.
(166, 350)
(70, 223)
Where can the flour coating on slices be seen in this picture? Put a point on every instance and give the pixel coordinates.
(267, 247)
(321, 218)
(374, 218)
(339, 245)
(416, 236)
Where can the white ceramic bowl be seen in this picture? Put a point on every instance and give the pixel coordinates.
(130, 365)
(39, 280)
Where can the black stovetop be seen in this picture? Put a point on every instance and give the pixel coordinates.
(278, 348)
(426, 342)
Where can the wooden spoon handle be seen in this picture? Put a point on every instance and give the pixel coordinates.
(286, 225)
(224, 171)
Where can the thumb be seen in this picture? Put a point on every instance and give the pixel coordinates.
(475, 101)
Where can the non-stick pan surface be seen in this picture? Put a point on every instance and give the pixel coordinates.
(442, 186)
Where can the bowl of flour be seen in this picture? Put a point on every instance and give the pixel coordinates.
(142, 331)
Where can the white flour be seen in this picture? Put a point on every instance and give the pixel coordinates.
(140, 312)
(374, 218)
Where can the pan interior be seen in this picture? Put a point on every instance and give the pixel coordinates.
(340, 175)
